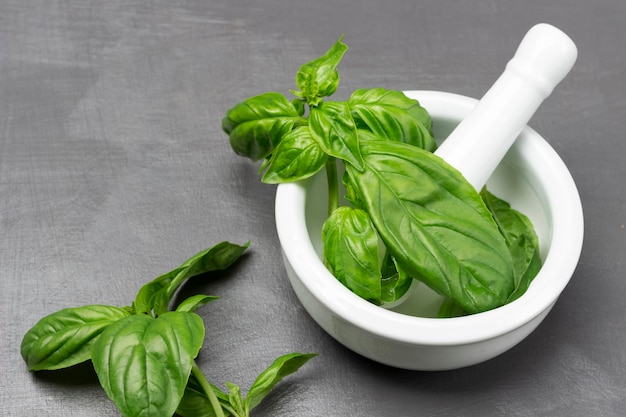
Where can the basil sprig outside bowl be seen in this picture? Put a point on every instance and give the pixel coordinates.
(408, 334)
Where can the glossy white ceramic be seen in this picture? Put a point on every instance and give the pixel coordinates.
(543, 58)
(532, 177)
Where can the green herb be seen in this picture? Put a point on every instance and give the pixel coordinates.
(521, 240)
(411, 215)
(196, 403)
(352, 251)
(144, 355)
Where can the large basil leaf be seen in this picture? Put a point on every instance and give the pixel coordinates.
(256, 125)
(351, 252)
(435, 224)
(157, 294)
(333, 128)
(392, 115)
(297, 156)
(521, 239)
(64, 338)
(319, 78)
(276, 372)
(144, 363)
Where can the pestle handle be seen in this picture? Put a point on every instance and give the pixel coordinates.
(480, 141)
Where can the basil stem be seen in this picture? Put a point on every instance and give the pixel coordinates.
(333, 185)
(208, 391)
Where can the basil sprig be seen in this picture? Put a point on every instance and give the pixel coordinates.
(411, 215)
(144, 355)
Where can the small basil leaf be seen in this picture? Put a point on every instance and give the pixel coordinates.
(299, 105)
(319, 78)
(218, 257)
(333, 128)
(276, 372)
(392, 115)
(144, 301)
(352, 195)
(435, 224)
(297, 156)
(194, 302)
(236, 400)
(521, 239)
(64, 338)
(394, 281)
(159, 292)
(144, 363)
(256, 125)
(351, 252)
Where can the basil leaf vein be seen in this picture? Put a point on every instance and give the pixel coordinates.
(435, 224)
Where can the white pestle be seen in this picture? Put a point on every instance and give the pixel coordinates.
(480, 141)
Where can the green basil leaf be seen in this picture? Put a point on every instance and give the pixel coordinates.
(255, 126)
(351, 252)
(319, 78)
(391, 115)
(64, 338)
(157, 294)
(300, 105)
(144, 301)
(196, 404)
(144, 363)
(236, 400)
(449, 309)
(218, 257)
(534, 265)
(194, 302)
(333, 128)
(435, 224)
(351, 195)
(394, 281)
(521, 239)
(276, 372)
(297, 156)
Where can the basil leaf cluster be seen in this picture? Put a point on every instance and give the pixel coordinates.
(410, 214)
(144, 354)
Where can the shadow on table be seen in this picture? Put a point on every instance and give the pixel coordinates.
(522, 364)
